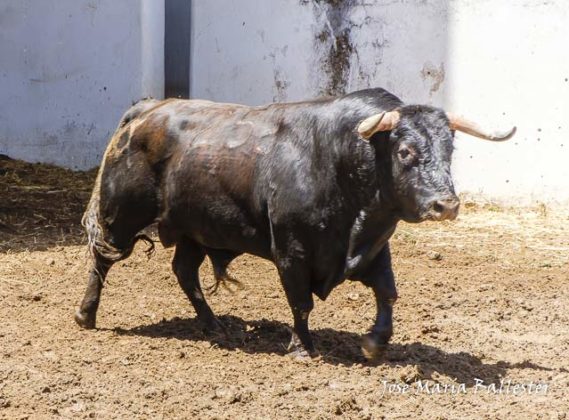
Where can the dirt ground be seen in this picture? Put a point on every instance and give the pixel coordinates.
(484, 298)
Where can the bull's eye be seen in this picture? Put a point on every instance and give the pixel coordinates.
(403, 153)
(407, 156)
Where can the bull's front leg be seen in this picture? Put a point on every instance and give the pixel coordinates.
(297, 290)
(295, 277)
(381, 279)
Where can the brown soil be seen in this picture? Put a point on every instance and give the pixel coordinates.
(484, 297)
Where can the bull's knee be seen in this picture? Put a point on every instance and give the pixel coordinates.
(387, 296)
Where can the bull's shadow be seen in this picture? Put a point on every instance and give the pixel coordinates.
(335, 347)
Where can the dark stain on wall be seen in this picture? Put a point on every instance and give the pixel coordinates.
(433, 75)
(333, 37)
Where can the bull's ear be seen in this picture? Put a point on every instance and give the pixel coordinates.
(385, 121)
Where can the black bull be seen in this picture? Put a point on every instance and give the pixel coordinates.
(317, 187)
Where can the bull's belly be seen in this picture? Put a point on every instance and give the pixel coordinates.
(233, 230)
(244, 239)
(229, 229)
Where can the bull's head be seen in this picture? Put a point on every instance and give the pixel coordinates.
(421, 144)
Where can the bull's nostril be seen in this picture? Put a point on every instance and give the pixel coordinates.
(444, 209)
(439, 206)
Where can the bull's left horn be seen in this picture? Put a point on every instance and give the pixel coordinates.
(462, 124)
(385, 121)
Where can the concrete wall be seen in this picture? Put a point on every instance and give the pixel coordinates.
(69, 69)
(507, 62)
(496, 62)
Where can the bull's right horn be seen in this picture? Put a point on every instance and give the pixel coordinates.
(384, 121)
(459, 123)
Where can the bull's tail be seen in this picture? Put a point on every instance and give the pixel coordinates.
(97, 243)
(113, 233)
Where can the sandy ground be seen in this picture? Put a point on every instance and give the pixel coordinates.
(484, 298)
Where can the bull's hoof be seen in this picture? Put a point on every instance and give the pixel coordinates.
(372, 348)
(85, 320)
(298, 351)
(303, 355)
(300, 355)
(213, 326)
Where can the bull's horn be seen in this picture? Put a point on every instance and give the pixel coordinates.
(462, 124)
(385, 121)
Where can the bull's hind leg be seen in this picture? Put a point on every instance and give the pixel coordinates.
(187, 260)
(123, 202)
(86, 315)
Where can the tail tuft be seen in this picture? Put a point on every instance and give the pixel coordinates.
(99, 246)
(96, 243)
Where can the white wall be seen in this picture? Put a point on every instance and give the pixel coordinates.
(499, 62)
(69, 69)
(509, 61)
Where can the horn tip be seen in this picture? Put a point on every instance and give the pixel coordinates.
(506, 135)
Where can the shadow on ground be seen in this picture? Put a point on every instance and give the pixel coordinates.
(335, 347)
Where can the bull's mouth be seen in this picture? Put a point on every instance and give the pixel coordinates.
(438, 216)
(431, 216)
(435, 210)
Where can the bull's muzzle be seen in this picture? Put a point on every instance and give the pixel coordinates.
(443, 209)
